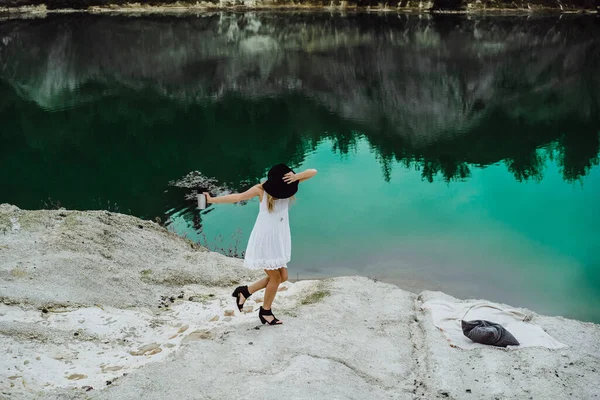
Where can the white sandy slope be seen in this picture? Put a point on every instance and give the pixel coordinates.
(80, 318)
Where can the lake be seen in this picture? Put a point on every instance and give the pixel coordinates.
(455, 153)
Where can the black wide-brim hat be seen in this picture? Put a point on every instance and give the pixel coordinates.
(276, 186)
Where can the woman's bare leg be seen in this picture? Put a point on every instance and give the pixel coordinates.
(256, 286)
(271, 290)
(284, 273)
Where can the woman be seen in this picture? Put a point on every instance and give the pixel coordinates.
(270, 245)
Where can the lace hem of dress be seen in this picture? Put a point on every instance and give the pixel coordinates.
(266, 264)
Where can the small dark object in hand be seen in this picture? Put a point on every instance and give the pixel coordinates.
(486, 332)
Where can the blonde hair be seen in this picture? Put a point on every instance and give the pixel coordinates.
(271, 201)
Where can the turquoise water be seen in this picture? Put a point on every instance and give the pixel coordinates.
(454, 154)
(532, 243)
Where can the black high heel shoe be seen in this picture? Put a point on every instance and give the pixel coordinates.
(264, 312)
(243, 290)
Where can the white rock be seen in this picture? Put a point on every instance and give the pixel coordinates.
(358, 339)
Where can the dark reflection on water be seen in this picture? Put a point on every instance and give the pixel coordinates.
(102, 112)
(127, 104)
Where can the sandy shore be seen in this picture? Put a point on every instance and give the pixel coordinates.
(103, 305)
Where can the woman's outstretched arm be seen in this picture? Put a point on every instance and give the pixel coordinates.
(235, 197)
(300, 177)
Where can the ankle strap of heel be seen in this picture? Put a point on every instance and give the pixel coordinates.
(265, 312)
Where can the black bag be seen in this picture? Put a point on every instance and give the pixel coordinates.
(486, 332)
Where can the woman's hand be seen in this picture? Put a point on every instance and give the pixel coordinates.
(301, 177)
(208, 197)
(290, 177)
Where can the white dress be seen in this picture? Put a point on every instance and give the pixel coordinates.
(270, 243)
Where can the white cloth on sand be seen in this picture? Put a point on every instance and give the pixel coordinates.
(270, 243)
(447, 315)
